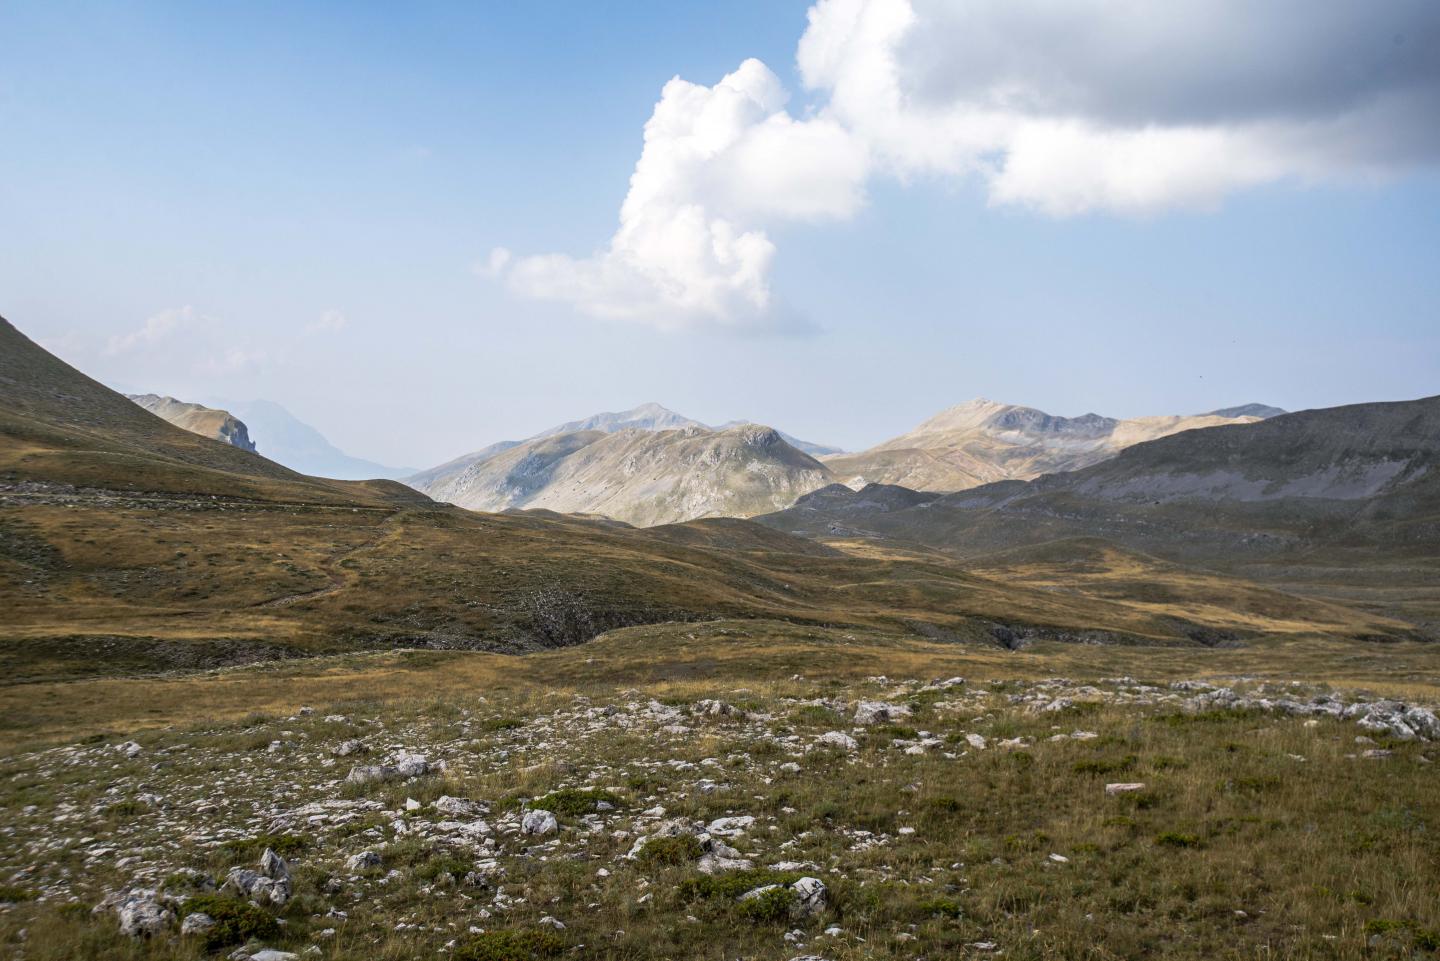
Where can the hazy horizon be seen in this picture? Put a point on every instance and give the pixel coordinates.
(410, 228)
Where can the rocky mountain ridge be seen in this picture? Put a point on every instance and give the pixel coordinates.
(982, 441)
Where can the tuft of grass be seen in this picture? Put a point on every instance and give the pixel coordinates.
(939, 908)
(1176, 839)
(442, 866)
(13, 893)
(669, 851)
(1105, 765)
(509, 945)
(125, 810)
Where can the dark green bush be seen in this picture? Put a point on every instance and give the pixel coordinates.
(767, 907)
(732, 884)
(236, 921)
(574, 801)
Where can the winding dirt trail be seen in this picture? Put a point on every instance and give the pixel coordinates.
(340, 578)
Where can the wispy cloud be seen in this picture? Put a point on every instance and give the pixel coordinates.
(329, 322)
(156, 328)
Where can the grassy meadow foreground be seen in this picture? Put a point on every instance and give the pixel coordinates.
(684, 766)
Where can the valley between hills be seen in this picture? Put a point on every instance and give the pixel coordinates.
(642, 687)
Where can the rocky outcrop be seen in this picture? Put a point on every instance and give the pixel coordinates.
(218, 425)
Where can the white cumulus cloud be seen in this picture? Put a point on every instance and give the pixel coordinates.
(1113, 106)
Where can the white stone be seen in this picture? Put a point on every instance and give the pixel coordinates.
(879, 712)
(538, 823)
(837, 739)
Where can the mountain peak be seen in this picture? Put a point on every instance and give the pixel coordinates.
(1262, 411)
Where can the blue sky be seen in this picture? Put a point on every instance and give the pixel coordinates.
(305, 196)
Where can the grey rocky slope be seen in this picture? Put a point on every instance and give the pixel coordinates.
(981, 441)
(642, 477)
(539, 472)
(648, 416)
(209, 422)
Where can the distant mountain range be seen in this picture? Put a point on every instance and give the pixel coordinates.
(1362, 478)
(1337, 511)
(264, 427)
(650, 465)
(283, 437)
(981, 442)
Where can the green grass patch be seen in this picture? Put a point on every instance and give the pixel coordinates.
(285, 845)
(509, 946)
(669, 851)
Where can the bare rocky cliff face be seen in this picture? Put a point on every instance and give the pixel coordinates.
(218, 425)
(982, 442)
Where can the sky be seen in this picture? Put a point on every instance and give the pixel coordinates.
(423, 228)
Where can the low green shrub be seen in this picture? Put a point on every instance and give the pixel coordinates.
(236, 921)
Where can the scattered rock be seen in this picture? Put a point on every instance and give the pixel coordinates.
(731, 827)
(370, 773)
(270, 885)
(538, 823)
(141, 916)
(362, 861)
(1128, 787)
(879, 712)
(459, 807)
(837, 739)
(811, 895)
